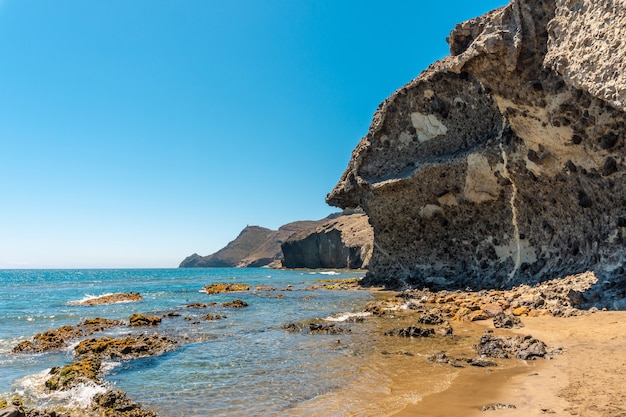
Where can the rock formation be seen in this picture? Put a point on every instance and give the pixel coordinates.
(341, 240)
(504, 162)
(255, 246)
(344, 242)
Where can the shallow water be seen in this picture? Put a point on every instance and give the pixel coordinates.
(244, 363)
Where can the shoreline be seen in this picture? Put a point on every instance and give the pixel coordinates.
(585, 380)
(393, 374)
(580, 376)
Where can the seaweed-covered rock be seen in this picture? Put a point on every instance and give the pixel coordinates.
(115, 403)
(144, 320)
(125, 297)
(70, 375)
(235, 304)
(125, 348)
(57, 339)
(221, 287)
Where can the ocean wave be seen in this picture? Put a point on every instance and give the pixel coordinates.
(325, 273)
(76, 398)
(346, 316)
(87, 297)
(6, 345)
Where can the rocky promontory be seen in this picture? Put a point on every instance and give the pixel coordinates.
(341, 240)
(344, 242)
(503, 163)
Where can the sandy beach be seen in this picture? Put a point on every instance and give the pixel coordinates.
(585, 380)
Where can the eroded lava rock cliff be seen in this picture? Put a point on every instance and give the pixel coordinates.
(504, 162)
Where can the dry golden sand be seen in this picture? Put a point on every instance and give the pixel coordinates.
(587, 380)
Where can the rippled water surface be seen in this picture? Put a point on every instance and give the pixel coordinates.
(245, 363)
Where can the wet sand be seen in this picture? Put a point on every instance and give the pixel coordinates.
(586, 380)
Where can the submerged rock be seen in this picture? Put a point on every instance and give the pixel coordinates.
(503, 163)
(58, 338)
(125, 348)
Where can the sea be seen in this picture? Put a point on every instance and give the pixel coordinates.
(244, 364)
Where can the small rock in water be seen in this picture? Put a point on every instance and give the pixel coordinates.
(144, 320)
(411, 331)
(235, 304)
(327, 328)
(374, 308)
(221, 287)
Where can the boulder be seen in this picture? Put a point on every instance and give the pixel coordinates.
(521, 347)
(411, 331)
(503, 163)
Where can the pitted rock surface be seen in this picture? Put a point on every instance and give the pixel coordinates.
(503, 163)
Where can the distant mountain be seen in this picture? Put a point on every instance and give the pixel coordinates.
(254, 247)
(341, 240)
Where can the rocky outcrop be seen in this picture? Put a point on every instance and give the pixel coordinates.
(57, 339)
(344, 242)
(341, 240)
(504, 162)
(126, 297)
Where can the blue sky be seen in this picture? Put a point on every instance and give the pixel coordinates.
(134, 133)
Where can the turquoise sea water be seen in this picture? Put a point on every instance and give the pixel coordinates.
(244, 364)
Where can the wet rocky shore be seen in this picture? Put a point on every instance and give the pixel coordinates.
(424, 313)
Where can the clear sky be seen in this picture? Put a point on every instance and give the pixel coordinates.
(135, 133)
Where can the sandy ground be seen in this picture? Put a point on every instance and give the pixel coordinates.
(588, 379)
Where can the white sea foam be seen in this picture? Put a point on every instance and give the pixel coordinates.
(88, 297)
(78, 397)
(346, 316)
(6, 345)
(324, 273)
(109, 365)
